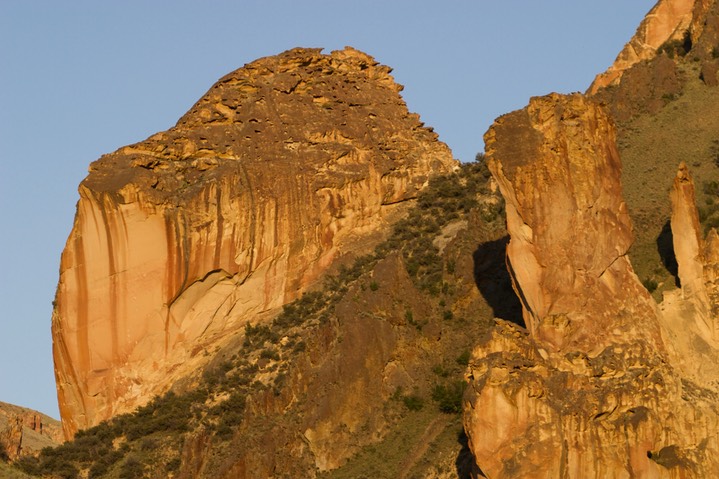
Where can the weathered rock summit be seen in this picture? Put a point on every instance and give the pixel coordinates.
(601, 383)
(285, 166)
(569, 226)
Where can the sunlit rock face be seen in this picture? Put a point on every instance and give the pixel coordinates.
(675, 26)
(558, 169)
(668, 20)
(690, 315)
(592, 388)
(24, 432)
(284, 166)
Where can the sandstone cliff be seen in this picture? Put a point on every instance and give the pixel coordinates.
(284, 166)
(668, 20)
(672, 28)
(25, 432)
(594, 387)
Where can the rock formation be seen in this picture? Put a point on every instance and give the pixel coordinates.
(690, 315)
(25, 432)
(285, 166)
(592, 388)
(678, 25)
(569, 226)
(668, 20)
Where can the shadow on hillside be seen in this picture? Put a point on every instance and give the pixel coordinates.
(493, 281)
(665, 247)
(464, 464)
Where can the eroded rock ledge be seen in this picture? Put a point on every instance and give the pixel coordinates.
(284, 166)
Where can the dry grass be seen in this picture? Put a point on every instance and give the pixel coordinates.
(651, 147)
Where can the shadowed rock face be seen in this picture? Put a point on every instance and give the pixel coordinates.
(595, 387)
(284, 166)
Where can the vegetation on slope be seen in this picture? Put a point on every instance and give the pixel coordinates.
(154, 440)
(423, 436)
(651, 145)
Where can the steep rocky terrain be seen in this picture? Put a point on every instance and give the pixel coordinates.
(604, 382)
(347, 352)
(25, 432)
(361, 378)
(595, 387)
(283, 168)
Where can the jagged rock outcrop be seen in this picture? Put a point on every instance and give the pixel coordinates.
(569, 226)
(24, 432)
(284, 166)
(690, 315)
(680, 27)
(668, 20)
(686, 235)
(591, 388)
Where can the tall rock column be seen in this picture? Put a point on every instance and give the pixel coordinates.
(569, 226)
(588, 390)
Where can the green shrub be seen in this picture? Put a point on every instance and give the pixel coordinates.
(463, 359)
(413, 402)
(710, 188)
(132, 468)
(650, 284)
(270, 353)
(677, 47)
(374, 286)
(29, 465)
(449, 396)
(173, 465)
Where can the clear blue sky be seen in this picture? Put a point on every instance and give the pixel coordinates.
(82, 78)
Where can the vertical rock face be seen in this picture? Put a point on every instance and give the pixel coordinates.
(686, 233)
(678, 25)
(668, 20)
(282, 167)
(24, 432)
(690, 315)
(569, 225)
(592, 388)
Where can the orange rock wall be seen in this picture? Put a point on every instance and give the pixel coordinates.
(569, 225)
(283, 167)
(667, 20)
(601, 383)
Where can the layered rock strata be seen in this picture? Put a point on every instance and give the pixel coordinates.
(591, 388)
(284, 166)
